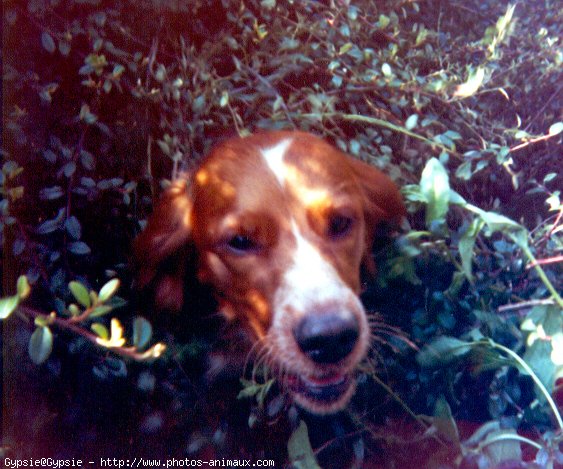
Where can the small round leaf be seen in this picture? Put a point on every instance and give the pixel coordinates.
(108, 290)
(23, 287)
(100, 330)
(48, 42)
(40, 345)
(411, 121)
(73, 227)
(142, 332)
(556, 128)
(79, 248)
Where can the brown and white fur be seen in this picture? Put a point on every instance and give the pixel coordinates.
(279, 226)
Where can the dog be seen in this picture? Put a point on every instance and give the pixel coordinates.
(279, 226)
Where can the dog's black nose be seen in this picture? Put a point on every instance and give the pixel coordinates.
(326, 338)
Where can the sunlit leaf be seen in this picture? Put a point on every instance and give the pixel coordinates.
(108, 290)
(345, 48)
(383, 21)
(411, 121)
(435, 187)
(556, 128)
(23, 287)
(472, 84)
(8, 305)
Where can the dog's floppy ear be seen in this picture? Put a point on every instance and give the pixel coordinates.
(383, 204)
(163, 250)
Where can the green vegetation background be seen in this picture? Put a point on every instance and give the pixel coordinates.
(460, 102)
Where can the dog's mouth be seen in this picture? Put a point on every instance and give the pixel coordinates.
(322, 394)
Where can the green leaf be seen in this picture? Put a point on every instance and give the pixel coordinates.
(553, 201)
(556, 129)
(464, 171)
(50, 155)
(73, 227)
(538, 355)
(42, 321)
(444, 421)
(100, 330)
(8, 305)
(108, 290)
(79, 248)
(40, 345)
(23, 287)
(250, 389)
(466, 244)
(289, 44)
(73, 310)
(64, 47)
(442, 351)
(345, 48)
(86, 116)
(498, 222)
(100, 311)
(51, 193)
(142, 332)
(47, 42)
(411, 122)
(299, 449)
(473, 83)
(435, 187)
(383, 21)
(69, 169)
(80, 292)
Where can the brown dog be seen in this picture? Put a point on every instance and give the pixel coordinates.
(278, 225)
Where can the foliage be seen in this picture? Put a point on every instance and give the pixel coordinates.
(460, 103)
(95, 305)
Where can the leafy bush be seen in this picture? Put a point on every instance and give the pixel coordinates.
(459, 103)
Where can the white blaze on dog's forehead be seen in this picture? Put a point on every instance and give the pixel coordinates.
(274, 159)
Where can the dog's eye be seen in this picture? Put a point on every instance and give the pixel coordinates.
(339, 226)
(241, 244)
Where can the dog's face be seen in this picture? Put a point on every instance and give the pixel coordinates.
(280, 224)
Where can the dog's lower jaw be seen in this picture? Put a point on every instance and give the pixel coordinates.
(324, 396)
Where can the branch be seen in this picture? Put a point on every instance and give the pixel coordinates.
(67, 325)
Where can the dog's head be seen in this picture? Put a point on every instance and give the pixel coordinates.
(279, 225)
